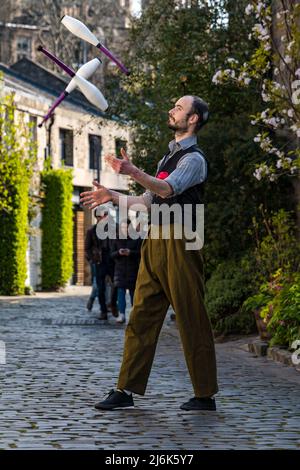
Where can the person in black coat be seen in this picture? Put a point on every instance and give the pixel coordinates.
(98, 255)
(126, 254)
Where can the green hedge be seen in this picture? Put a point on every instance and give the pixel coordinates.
(14, 240)
(57, 228)
(17, 157)
(226, 291)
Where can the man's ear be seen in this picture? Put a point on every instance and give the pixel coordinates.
(194, 118)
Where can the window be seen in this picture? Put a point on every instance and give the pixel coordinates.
(95, 151)
(66, 146)
(33, 128)
(120, 143)
(23, 47)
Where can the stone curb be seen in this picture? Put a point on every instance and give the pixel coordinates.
(261, 348)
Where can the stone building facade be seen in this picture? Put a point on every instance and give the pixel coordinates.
(78, 137)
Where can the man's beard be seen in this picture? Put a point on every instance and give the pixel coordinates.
(176, 126)
(173, 127)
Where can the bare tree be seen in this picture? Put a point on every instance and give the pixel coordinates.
(52, 34)
(107, 19)
(9, 10)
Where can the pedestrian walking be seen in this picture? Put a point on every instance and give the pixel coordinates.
(98, 255)
(112, 290)
(126, 254)
(94, 291)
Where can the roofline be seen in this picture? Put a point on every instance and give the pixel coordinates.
(64, 80)
(18, 25)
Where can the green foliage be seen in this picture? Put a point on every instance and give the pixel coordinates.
(14, 240)
(57, 228)
(284, 324)
(274, 269)
(232, 196)
(17, 157)
(273, 63)
(227, 288)
(279, 304)
(277, 246)
(256, 301)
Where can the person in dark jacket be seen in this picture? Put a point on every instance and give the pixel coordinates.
(126, 254)
(94, 291)
(98, 255)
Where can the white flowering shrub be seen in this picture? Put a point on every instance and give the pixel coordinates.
(275, 65)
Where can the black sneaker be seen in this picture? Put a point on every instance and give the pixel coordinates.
(203, 404)
(115, 399)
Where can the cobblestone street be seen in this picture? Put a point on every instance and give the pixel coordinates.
(60, 360)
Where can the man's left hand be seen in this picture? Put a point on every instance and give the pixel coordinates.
(122, 166)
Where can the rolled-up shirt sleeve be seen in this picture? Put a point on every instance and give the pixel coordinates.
(191, 170)
(148, 195)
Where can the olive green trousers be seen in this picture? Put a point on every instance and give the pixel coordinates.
(169, 274)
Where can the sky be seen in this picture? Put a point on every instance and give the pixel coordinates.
(136, 6)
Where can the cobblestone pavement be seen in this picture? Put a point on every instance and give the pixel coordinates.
(60, 360)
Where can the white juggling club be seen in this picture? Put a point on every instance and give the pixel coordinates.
(87, 88)
(82, 31)
(86, 70)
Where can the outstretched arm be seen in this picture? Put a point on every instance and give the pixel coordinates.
(125, 166)
(102, 194)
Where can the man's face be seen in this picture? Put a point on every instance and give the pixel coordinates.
(179, 115)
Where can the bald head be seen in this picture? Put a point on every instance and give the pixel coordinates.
(189, 114)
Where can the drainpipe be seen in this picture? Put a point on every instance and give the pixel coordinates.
(49, 139)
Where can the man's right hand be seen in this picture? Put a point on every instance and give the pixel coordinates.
(93, 199)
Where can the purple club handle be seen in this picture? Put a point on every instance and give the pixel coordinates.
(59, 62)
(113, 58)
(61, 97)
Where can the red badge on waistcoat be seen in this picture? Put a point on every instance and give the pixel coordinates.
(162, 175)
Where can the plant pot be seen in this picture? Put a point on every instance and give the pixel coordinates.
(261, 326)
